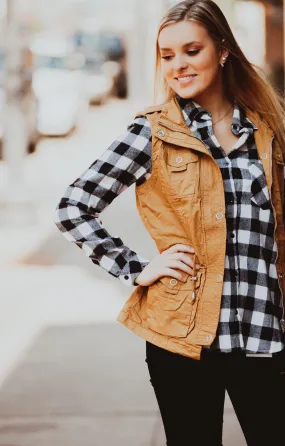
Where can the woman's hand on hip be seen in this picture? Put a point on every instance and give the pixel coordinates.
(172, 262)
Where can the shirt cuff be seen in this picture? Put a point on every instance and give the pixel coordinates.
(129, 279)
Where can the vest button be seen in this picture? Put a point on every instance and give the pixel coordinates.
(280, 275)
(219, 278)
(219, 215)
(160, 133)
(264, 156)
(179, 159)
(173, 282)
(209, 338)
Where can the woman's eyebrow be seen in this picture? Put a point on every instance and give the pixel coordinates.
(183, 46)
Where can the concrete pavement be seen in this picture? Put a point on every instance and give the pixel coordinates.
(80, 385)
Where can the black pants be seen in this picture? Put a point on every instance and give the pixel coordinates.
(190, 394)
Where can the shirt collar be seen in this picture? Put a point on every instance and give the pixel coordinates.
(196, 113)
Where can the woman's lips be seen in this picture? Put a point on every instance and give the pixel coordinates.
(186, 80)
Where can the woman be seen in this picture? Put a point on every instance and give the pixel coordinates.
(209, 167)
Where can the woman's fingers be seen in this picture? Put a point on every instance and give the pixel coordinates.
(179, 247)
(172, 273)
(180, 265)
(183, 258)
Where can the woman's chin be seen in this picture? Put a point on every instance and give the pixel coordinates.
(186, 93)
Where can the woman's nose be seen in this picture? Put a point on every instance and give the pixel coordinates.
(179, 63)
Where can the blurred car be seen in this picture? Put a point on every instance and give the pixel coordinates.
(58, 115)
(98, 87)
(62, 104)
(98, 83)
(110, 46)
(58, 86)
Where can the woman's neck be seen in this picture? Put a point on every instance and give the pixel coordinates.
(215, 102)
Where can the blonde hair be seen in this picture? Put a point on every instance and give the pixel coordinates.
(242, 80)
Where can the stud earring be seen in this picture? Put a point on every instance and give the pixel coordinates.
(224, 60)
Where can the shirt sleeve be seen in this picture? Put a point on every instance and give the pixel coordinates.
(128, 160)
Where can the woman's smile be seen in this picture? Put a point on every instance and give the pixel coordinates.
(186, 80)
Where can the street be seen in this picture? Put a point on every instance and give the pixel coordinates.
(70, 374)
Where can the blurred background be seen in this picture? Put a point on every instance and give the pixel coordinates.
(73, 73)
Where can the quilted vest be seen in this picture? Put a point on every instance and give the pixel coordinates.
(183, 202)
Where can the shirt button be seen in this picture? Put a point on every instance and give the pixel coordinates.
(219, 215)
(160, 133)
(126, 277)
(232, 235)
(219, 278)
(179, 159)
(264, 156)
(173, 282)
(236, 311)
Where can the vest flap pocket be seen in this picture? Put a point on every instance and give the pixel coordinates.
(168, 284)
(173, 315)
(181, 171)
(179, 168)
(179, 161)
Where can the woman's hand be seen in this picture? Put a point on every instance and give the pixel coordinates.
(169, 263)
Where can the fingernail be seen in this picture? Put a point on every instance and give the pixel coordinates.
(197, 266)
(192, 250)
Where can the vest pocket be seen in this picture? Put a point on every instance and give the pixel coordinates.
(183, 172)
(171, 311)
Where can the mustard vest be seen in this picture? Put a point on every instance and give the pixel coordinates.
(183, 202)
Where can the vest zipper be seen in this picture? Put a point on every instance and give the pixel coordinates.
(282, 321)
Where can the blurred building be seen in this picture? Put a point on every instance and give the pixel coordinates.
(259, 27)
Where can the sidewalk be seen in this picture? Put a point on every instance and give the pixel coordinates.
(81, 385)
(70, 374)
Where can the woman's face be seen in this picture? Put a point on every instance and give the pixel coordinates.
(189, 58)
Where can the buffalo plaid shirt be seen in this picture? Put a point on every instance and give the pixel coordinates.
(251, 306)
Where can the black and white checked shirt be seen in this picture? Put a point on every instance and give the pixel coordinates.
(251, 305)
(251, 300)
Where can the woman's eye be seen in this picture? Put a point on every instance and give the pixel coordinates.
(166, 57)
(193, 53)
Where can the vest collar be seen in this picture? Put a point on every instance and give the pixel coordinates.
(171, 111)
(172, 118)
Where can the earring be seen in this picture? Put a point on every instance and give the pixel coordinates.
(224, 60)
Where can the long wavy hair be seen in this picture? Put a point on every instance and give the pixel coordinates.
(243, 81)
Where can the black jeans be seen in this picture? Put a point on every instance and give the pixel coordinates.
(190, 395)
